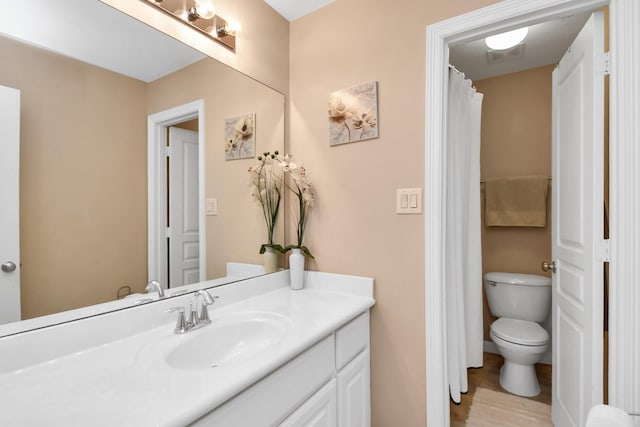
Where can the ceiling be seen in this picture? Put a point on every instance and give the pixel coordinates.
(545, 44)
(92, 32)
(294, 9)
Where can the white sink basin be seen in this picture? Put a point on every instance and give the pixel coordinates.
(228, 339)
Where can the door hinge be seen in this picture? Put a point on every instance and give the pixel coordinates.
(167, 232)
(167, 151)
(606, 64)
(605, 251)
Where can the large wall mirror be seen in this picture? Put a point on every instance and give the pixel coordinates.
(86, 98)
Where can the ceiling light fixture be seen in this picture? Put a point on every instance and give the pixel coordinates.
(200, 14)
(506, 40)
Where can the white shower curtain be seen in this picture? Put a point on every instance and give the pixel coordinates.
(463, 271)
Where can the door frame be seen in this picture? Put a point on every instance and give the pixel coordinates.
(624, 208)
(157, 125)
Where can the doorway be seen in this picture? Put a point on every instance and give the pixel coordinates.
(180, 259)
(491, 20)
(183, 235)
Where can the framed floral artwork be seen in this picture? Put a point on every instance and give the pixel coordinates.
(240, 137)
(353, 114)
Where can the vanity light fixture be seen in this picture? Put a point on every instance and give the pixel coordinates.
(506, 40)
(200, 14)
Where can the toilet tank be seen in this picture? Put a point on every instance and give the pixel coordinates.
(518, 296)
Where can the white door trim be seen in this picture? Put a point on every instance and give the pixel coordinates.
(624, 231)
(624, 210)
(157, 125)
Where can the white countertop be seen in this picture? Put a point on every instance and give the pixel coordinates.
(113, 385)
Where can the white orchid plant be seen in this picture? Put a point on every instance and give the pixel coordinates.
(267, 181)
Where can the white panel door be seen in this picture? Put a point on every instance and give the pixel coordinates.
(184, 245)
(9, 204)
(577, 226)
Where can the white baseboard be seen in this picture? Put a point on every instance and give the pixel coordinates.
(490, 347)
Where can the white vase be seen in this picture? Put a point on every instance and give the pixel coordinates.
(296, 269)
(270, 260)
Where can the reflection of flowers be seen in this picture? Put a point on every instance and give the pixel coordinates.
(242, 133)
(266, 180)
(244, 128)
(301, 187)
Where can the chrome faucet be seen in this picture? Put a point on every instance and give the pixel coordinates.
(195, 320)
(154, 286)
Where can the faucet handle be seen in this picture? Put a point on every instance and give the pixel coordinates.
(193, 316)
(181, 324)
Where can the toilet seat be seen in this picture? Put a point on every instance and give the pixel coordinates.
(521, 332)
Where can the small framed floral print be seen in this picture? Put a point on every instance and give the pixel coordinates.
(239, 135)
(353, 114)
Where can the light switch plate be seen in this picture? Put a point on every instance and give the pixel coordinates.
(409, 200)
(212, 207)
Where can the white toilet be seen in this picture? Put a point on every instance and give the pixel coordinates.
(521, 302)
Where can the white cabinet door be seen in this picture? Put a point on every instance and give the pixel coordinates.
(354, 393)
(577, 226)
(10, 204)
(318, 411)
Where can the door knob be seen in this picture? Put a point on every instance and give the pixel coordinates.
(8, 266)
(546, 266)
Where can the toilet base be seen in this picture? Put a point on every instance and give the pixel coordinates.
(519, 379)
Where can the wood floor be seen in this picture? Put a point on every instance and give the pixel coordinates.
(488, 377)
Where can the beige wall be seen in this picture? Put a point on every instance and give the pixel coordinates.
(516, 141)
(261, 45)
(237, 232)
(82, 180)
(354, 228)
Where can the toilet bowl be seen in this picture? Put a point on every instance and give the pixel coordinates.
(522, 344)
(519, 301)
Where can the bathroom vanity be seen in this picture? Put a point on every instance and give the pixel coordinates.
(271, 356)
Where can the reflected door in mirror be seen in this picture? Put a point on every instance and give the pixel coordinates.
(9, 205)
(184, 242)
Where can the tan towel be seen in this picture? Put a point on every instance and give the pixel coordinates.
(516, 202)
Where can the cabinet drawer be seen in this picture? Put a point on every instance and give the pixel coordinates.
(267, 402)
(319, 411)
(351, 339)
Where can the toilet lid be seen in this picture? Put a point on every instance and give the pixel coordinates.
(519, 331)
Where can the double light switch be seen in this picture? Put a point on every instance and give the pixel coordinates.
(409, 200)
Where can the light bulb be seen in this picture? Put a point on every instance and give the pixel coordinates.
(506, 40)
(233, 26)
(205, 9)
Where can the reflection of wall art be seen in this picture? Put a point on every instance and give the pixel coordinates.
(240, 137)
(353, 114)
